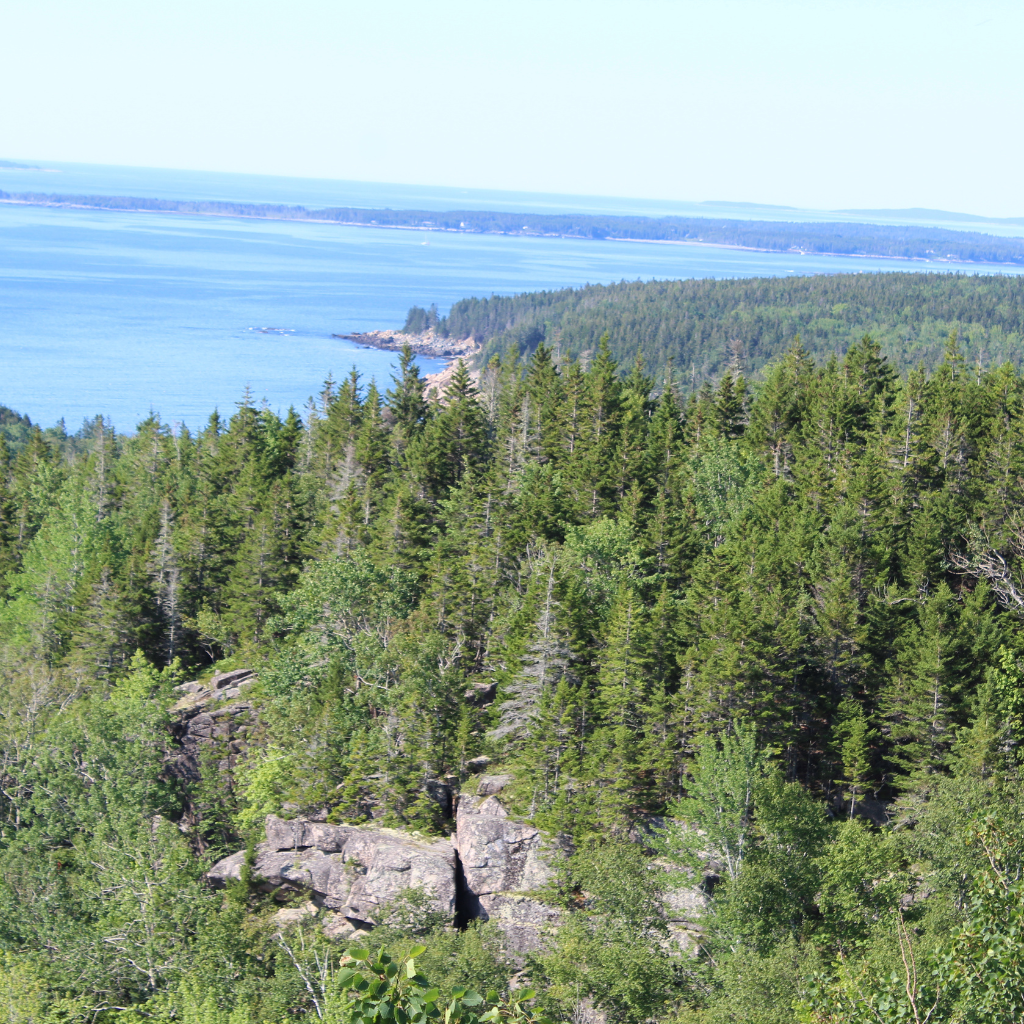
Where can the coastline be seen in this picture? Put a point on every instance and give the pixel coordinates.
(425, 343)
(518, 234)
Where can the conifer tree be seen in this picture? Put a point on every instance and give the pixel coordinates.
(166, 576)
(778, 413)
(457, 438)
(593, 478)
(730, 405)
(102, 638)
(8, 519)
(406, 403)
(543, 384)
(544, 664)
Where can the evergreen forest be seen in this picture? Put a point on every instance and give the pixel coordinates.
(700, 327)
(758, 642)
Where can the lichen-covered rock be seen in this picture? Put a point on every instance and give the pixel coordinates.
(491, 785)
(488, 871)
(499, 854)
(524, 921)
(441, 793)
(294, 915)
(684, 907)
(347, 869)
(221, 729)
(502, 862)
(211, 719)
(224, 686)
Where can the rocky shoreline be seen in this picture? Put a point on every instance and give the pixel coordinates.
(427, 343)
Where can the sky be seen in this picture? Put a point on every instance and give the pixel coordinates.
(827, 104)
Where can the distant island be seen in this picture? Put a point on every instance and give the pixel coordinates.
(939, 245)
(11, 165)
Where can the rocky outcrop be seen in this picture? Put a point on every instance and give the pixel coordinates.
(210, 717)
(426, 343)
(221, 686)
(348, 870)
(684, 907)
(488, 871)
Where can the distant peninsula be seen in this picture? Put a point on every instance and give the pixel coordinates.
(939, 245)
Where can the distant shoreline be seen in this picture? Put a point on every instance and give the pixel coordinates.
(800, 232)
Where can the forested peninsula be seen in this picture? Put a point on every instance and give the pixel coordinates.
(699, 327)
(903, 242)
(578, 695)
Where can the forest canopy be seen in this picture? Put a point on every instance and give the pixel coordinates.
(702, 326)
(760, 643)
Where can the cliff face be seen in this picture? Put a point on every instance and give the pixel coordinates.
(347, 871)
(211, 717)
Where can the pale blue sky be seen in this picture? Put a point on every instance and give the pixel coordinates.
(826, 104)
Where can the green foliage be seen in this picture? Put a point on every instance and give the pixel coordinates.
(701, 325)
(718, 812)
(263, 780)
(375, 987)
(984, 963)
(614, 951)
(729, 623)
(856, 737)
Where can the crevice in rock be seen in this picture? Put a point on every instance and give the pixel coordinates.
(467, 904)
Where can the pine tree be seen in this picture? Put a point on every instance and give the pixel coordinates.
(777, 416)
(632, 445)
(591, 474)
(102, 638)
(166, 575)
(730, 404)
(544, 664)
(933, 665)
(8, 519)
(543, 385)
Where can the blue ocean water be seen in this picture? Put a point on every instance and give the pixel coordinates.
(123, 314)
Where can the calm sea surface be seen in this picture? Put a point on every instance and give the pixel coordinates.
(121, 314)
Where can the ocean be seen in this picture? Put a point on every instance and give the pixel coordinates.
(123, 314)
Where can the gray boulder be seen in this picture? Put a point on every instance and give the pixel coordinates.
(490, 785)
(684, 907)
(351, 871)
(225, 685)
(346, 869)
(502, 862)
(209, 719)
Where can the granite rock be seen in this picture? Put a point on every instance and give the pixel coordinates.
(502, 862)
(347, 869)
(489, 870)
